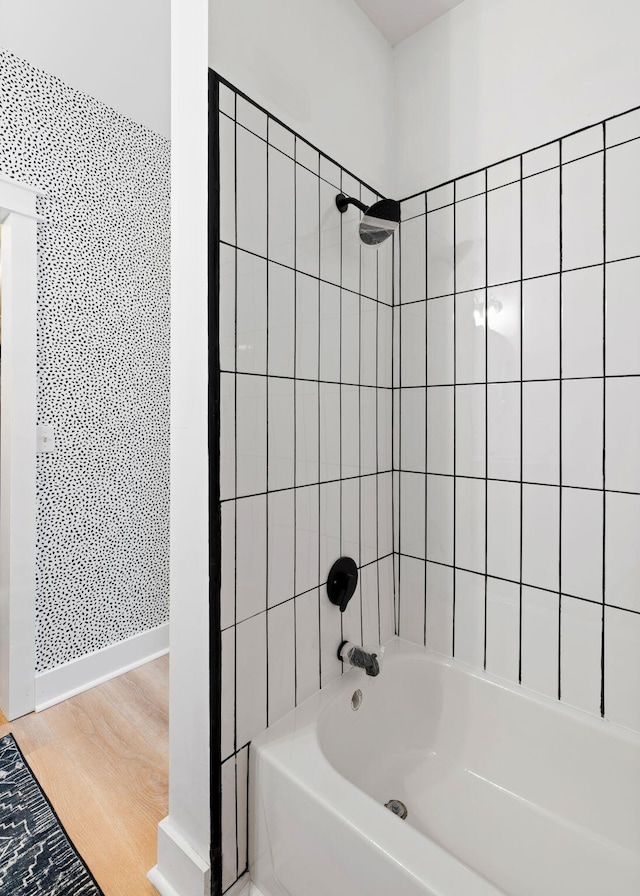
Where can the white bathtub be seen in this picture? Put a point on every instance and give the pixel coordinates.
(506, 792)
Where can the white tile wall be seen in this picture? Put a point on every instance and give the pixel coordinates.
(532, 381)
(306, 329)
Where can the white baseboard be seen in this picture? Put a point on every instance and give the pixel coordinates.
(180, 871)
(79, 675)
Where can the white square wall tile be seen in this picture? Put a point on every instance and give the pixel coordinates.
(503, 430)
(471, 185)
(470, 337)
(503, 530)
(350, 410)
(251, 117)
(540, 633)
(306, 155)
(582, 323)
(582, 543)
(228, 692)
(439, 197)
(227, 181)
(251, 192)
(251, 678)
(581, 654)
(281, 433)
(282, 661)
(503, 629)
(227, 436)
(350, 337)
(411, 208)
(307, 553)
(469, 618)
(412, 348)
(282, 138)
(440, 519)
(412, 430)
(503, 173)
(440, 423)
(330, 234)
(307, 336)
(350, 516)
(583, 143)
(281, 333)
(385, 400)
(412, 514)
(330, 431)
(329, 527)
(412, 600)
(623, 201)
(413, 260)
(368, 341)
(368, 453)
(251, 314)
(330, 638)
(352, 618)
(227, 316)
(540, 536)
(281, 224)
(622, 667)
(470, 524)
(330, 172)
(440, 253)
(229, 824)
(623, 127)
(582, 431)
(622, 558)
(242, 798)
(582, 204)
(369, 520)
(503, 236)
(228, 566)
(307, 433)
(541, 224)
(541, 432)
(251, 434)
(470, 431)
(385, 514)
(439, 621)
(385, 317)
(540, 159)
(440, 341)
(623, 434)
(503, 337)
(369, 599)
(623, 317)
(386, 573)
(251, 547)
(281, 547)
(307, 222)
(227, 101)
(541, 328)
(308, 642)
(470, 243)
(329, 332)
(350, 247)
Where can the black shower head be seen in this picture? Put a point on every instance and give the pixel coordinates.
(380, 220)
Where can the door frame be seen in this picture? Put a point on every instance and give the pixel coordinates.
(18, 414)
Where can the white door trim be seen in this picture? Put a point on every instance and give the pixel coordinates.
(18, 259)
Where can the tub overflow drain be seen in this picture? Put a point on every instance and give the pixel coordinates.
(397, 807)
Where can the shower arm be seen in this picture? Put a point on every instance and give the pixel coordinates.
(343, 202)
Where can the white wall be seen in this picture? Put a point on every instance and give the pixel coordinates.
(318, 65)
(115, 50)
(496, 77)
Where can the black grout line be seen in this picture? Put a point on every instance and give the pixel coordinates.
(560, 422)
(486, 409)
(521, 423)
(455, 374)
(604, 419)
(426, 411)
(320, 573)
(295, 429)
(360, 262)
(266, 577)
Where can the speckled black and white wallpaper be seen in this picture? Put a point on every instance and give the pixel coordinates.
(103, 360)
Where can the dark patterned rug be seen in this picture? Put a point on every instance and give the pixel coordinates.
(36, 856)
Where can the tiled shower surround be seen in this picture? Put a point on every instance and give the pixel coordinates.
(306, 440)
(515, 501)
(519, 429)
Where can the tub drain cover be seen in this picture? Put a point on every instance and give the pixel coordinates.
(397, 807)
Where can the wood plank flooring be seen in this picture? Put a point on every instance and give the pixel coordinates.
(102, 758)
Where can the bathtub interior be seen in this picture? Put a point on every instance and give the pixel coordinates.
(524, 791)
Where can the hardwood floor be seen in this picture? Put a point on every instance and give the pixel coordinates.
(102, 758)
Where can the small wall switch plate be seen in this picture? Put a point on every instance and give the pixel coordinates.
(45, 439)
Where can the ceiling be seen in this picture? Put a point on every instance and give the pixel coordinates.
(397, 19)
